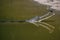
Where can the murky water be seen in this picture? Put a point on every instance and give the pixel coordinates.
(24, 9)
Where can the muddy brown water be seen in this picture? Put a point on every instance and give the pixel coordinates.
(24, 9)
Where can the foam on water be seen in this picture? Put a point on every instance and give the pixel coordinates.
(54, 4)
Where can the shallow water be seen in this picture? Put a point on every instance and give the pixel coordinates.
(25, 9)
(55, 4)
